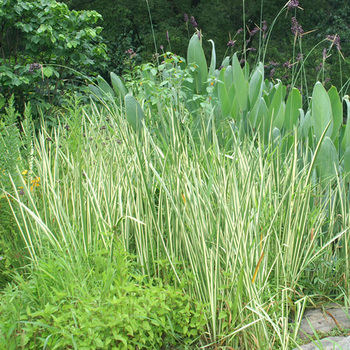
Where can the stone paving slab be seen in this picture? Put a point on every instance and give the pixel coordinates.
(325, 320)
(331, 343)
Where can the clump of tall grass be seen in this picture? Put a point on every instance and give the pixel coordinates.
(241, 230)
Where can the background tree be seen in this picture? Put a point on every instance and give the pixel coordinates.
(39, 41)
(128, 26)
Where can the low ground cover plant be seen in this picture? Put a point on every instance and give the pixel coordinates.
(95, 303)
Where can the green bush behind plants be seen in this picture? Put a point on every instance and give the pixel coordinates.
(95, 303)
(43, 44)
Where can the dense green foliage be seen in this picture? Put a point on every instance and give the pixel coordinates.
(219, 21)
(103, 303)
(251, 103)
(40, 43)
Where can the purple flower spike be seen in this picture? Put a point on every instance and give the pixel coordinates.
(299, 57)
(296, 27)
(287, 65)
(167, 37)
(186, 19)
(193, 22)
(240, 30)
(33, 67)
(254, 31)
(292, 4)
(231, 43)
(336, 40)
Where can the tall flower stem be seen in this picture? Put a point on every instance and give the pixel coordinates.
(154, 37)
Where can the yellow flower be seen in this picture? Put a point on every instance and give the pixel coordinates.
(35, 183)
(24, 172)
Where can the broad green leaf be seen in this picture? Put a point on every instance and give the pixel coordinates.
(321, 111)
(72, 43)
(292, 109)
(346, 138)
(235, 107)
(213, 59)
(96, 92)
(228, 77)
(47, 71)
(254, 115)
(226, 62)
(279, 119)
(119, 337)
(327, 159)
(105, 87)
(223, 94)
(255, 85)
(134, 113)
(276, 133)
(267, 86)
(230, 95)
(118, 85)
(196, 57)
(305, 123)
(222, 314)
(98, 342)
(346, 164)
(277, 107)
(264, 121)
(337, 111)
(240, 83)
(246, 71)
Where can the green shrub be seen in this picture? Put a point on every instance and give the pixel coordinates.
(95, 303)
(39, 41)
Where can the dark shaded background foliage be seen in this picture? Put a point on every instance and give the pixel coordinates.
(43, 45)
(127, 25)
